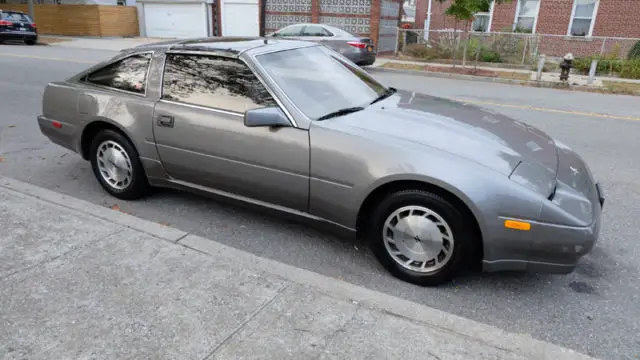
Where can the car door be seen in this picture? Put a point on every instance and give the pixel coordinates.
(201, 137)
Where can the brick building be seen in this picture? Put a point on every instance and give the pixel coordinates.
(583, 27)
(377, 19)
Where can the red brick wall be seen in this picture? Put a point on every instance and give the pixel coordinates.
(554, 17)
(620, 18)
(614, 18)
(374, 25)
(421, 13)
(503, 16)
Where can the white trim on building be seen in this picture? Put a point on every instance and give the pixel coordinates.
(518, 16)
(592, 18)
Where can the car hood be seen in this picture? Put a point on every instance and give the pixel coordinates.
(489, 138)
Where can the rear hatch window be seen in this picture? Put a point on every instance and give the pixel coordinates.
(15, 17)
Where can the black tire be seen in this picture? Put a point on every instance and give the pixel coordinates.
(30, 42)
(463, 246)
(138, 187)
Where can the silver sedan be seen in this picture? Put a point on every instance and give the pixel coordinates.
(359, 49)
(434, 186)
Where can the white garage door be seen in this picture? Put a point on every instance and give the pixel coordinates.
(175, 20)
(240, 18)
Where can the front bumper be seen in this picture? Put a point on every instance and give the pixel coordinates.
(568, 226)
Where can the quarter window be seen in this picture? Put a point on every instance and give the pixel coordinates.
(214, 82)
(583, 16)
(129, 74)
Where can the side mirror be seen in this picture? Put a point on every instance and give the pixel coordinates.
(267, 116)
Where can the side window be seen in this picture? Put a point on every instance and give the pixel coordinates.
(129, 74)
(290, 31)
(215, 82)
(315, 30)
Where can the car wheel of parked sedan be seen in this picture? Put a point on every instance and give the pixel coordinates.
(116, 164)
(30, 42)
(420, 237)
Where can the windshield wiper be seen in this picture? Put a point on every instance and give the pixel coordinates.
(341, 112)
(390, 91)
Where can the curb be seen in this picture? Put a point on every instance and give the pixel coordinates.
(521, 344)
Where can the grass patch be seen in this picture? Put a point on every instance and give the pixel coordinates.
(514, 75)
(46, 40)
(510, 75)
(620, 87)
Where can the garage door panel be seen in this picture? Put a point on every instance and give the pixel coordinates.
(175, 20)
(248, 12)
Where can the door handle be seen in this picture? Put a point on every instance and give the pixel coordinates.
(165, 121)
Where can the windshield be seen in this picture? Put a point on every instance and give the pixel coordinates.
(318, 82)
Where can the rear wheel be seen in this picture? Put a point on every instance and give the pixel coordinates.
(420, 237)
(117, 167)
(30, 42)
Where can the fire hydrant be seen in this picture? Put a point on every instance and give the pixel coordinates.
(565, 66)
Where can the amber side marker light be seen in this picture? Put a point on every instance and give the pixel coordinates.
(517, 225)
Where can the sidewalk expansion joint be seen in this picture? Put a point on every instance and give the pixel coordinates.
(251, 316)
(182, 237)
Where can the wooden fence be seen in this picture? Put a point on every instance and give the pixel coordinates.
(83, 20)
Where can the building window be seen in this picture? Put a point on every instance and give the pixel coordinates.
(526, 16)
(482, 20)
(583, 17)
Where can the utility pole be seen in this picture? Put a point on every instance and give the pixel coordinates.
(31, 11)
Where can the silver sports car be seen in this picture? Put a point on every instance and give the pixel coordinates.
(434, 186)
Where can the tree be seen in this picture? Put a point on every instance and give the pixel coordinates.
(465, 10)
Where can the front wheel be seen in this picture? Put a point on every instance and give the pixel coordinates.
(30, 42)
(117, 167)
(420, 237)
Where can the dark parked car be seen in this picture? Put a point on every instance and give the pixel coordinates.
(17, 26)
(433, 185)
(360, 50)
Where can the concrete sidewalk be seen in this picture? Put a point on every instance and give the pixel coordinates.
(110, 44)
(80, 281)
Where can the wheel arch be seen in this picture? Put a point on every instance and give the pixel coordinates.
(93, 128)
(454, 196)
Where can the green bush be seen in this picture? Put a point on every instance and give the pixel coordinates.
(630, 69)
(488, 55)
(482, 51)
(634, 53)
(421, 51)
(605, 65)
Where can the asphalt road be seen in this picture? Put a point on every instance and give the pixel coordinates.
(594, 310)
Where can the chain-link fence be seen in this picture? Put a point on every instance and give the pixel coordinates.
(515, 50)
